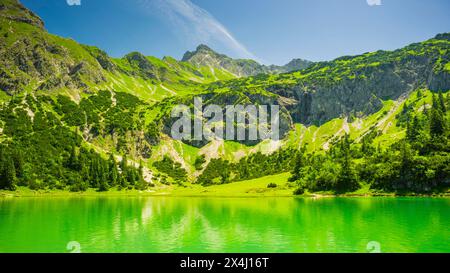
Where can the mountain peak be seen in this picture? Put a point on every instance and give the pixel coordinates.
(203, 47)
(200, 51)
(15, 11)
(205, 56)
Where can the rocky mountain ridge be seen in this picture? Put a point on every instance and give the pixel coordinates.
(205, 56)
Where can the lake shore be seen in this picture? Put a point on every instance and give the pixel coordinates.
(251, 188)
(199, 192)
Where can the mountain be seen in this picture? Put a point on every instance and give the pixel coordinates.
(356, 86)
(33, 59)
(205, 56)
(293, 65)
(72, 117)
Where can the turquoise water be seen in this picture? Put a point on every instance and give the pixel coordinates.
(170, 224)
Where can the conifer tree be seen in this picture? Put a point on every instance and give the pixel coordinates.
(9, 175)
(19, 163)
(141, 170)
(406, 161)
(437, 121)
(296, 172)
(124, 172)
(103, 175)
(442, 106)
(73, 160)
(419, 93)
(413, 129)
(347, 180)
(113, 172)
(124, 164)
(435, 103)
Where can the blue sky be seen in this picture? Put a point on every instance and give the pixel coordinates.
(270, 31)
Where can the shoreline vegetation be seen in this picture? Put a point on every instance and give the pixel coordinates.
(250, 188)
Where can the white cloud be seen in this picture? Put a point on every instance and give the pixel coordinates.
(198, 25)
(374, 2)
(74, 2)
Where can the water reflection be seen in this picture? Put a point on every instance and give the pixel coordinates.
(165, 224)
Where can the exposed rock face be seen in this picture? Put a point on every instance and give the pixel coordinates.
(205, 56)
(29, 55)
(45, 62)
(232, 99)
(439, 81)
(321, 98)
(102, 58)
(320, 103)
(143, 67)
(13, 10)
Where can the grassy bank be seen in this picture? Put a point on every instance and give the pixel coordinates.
(250, 188)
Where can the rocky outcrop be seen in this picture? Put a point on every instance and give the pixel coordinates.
(28, 60)
(333, 89)
(232, 99)
(142, 66)
(15, 11)
(30, 57)
(102, 58)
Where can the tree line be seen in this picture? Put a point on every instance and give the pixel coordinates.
(418, 163)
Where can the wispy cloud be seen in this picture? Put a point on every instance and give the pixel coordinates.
(197, 25)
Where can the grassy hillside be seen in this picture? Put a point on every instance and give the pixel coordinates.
(36, 61)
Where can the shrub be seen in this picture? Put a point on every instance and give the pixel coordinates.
(299, 191)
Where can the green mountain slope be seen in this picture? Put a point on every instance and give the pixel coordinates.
(32, 59)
